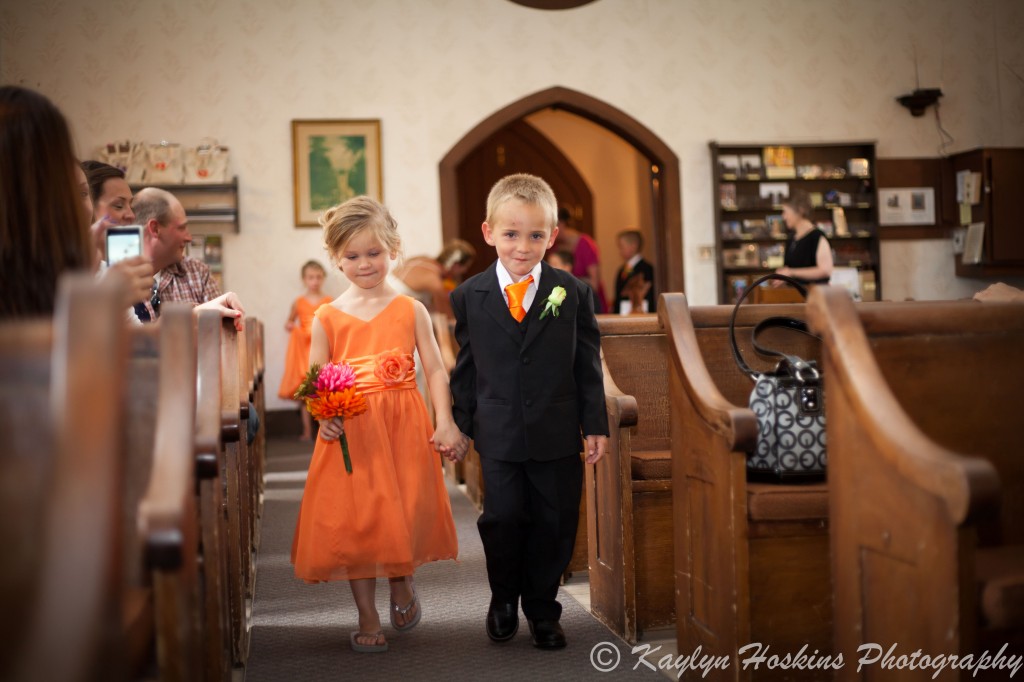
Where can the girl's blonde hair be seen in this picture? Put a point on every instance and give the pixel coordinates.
(343, 222)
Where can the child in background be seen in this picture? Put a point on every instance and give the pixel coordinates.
(391, 513)
(528, 388)
(299, 323)
(561, 259)
(634, 282)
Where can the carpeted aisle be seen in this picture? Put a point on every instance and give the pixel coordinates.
(300, 632)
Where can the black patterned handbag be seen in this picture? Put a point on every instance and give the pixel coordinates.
(789, 404)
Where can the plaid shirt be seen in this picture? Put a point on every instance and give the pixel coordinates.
(187, 280)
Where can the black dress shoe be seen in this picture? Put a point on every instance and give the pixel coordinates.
(547, 634)
(502, 621)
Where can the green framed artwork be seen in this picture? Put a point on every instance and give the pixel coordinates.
(334, 161)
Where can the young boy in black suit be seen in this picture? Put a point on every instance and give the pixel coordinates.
(527, 380)
(635, 272)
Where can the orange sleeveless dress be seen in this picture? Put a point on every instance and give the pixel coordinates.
(392, 513)
(296, 358)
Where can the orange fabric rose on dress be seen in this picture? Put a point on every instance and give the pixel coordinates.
(393, 366)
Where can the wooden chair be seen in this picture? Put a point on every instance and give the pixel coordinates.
(61, 383)
(926, 474)
(751, 560)
(629, 492)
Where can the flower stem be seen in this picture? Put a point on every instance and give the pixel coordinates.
(344, 452)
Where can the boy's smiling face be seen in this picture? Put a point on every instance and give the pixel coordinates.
(521, 235)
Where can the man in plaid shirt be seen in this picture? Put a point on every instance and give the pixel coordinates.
(165, 238)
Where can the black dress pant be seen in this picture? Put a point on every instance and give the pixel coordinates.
(528, 529)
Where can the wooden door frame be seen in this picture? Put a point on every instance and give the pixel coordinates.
(668, 223)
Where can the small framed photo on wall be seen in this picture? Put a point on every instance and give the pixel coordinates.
(333, 162)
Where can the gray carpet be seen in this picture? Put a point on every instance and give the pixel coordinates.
(300, 632)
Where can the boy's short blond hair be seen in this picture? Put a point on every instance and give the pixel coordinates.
(527, 188)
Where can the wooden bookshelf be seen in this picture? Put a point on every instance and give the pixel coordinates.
(749, 182)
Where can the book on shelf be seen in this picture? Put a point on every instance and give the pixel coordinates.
(750, 166)
(773, 256)
(816, 198)
(776, 226)
(755, 228)
(774, 192)
(728, 166)
(839, 220)
(809, 172)
(827, 227)
(727, 195)
(736, 285)
(858, 168)
(863, 230)
(745, 256)
(732, 229)
(778, 162)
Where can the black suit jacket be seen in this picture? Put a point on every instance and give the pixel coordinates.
(525, 394)
(645, 269)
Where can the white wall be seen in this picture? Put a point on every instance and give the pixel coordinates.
(690, 70)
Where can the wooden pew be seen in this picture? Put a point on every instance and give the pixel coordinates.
(61, 382)
(236, 466)
(211, 471)
(629, 493)
(751, 560)
(161, 521)
(257, 396)
(926, 474)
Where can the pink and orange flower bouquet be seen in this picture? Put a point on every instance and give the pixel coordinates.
(329, 391)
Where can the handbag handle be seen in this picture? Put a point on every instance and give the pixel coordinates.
(802, 369)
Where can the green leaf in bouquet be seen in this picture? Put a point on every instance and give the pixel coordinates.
(308, 386)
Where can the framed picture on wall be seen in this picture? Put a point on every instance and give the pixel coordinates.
(333, 162)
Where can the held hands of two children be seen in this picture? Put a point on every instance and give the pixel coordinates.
(450, 442)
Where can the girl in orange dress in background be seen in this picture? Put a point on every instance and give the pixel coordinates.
(299, 324)
(391, 513)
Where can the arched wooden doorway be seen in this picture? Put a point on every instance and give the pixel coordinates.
(665, 179)
(516, 148)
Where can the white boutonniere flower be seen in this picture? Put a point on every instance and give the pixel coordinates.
(554, 302)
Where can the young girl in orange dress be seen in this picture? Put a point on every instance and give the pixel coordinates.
(391, 513)
(299, 325)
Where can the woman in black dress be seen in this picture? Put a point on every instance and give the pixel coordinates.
(808, 253)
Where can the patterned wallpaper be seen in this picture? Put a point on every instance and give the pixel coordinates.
(690, 70)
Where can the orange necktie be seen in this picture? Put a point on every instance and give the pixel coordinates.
(516, 292)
